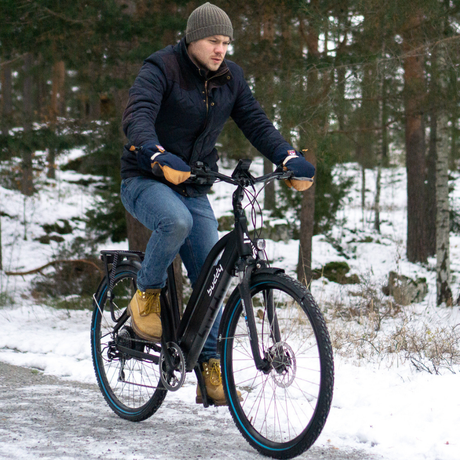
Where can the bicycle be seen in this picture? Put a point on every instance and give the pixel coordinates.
(273, 341)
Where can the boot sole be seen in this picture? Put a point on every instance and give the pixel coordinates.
(212, 402)
(220, 402)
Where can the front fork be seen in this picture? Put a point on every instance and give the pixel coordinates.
(262, 363)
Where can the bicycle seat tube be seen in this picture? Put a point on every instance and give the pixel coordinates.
(212, 285)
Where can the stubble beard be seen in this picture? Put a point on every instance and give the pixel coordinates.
(210, 66)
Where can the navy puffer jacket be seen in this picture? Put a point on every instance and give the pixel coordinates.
(179, 107)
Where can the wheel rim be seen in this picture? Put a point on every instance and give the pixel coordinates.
(277, 407)
(128, 383)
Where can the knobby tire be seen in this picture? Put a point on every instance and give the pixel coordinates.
(283, 412)
(131, 386)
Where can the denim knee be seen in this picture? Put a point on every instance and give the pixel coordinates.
(178, 226)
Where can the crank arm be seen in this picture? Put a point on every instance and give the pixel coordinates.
(138, 354)
(168, 361)
(202, 385)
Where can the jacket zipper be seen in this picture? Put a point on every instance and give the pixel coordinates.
(207, 100)
(207, 108)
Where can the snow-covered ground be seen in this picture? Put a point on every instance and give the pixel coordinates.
(381, 402)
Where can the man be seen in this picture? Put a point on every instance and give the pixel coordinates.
(177, 108)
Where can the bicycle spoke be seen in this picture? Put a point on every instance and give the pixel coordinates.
(131, 385)
(282, 404)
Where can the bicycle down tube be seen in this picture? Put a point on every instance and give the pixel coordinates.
(203, 307)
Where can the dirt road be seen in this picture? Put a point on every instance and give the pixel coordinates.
(48, 418)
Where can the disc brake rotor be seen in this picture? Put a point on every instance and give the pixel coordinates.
(284, 366)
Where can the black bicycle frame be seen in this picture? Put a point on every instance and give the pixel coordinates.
(203, 307)
(236, 258)
(214, 279)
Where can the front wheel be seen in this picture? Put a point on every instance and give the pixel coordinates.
(130, 384)
(283, 410)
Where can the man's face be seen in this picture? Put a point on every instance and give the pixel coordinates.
(209, 52)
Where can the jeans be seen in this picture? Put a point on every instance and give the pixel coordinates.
(179, 225)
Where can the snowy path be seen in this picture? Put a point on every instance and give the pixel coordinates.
(380, 410)
(45, 417)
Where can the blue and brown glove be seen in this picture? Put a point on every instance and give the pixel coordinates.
(303, 170)
(167, 165)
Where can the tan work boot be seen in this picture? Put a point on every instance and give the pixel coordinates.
(213, 382)
(145, 310)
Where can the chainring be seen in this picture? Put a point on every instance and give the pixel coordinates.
(174, 378)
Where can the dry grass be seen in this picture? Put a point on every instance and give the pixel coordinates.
(369, 326)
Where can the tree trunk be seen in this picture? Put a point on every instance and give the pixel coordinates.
(307, 221)
(57, 90)
(341, 13)
(92, 108)
(269, 190)
(57, 108)
(454, 91)
(378, 184)
(315, 102)
(27, 187)
(432, 159)
(443, 291)
(363, 194)
(431, 187)
(41, 92)
(7, 100)
(138, 235)
(1, 259)
(414, 98)
(268, 31)
(384, 150)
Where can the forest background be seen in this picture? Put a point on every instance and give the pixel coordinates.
(350, 80)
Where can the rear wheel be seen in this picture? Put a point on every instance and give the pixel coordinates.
(283, 410)
(131, 385)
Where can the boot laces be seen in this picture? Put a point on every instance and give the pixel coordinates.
(215, 376)
(151, 303)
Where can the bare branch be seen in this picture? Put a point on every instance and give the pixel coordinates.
(57, 262)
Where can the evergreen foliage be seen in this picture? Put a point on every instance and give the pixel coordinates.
(335, 77)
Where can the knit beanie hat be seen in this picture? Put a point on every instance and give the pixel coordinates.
(207, 20)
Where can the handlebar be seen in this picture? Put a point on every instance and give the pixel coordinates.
(240, 176)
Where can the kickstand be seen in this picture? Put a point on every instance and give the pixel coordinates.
(199, 377)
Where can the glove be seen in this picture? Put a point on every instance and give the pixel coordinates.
(302, 169)
(167, 165)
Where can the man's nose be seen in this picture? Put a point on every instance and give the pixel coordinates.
(219, 49)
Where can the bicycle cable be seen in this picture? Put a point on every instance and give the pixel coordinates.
(256, 210)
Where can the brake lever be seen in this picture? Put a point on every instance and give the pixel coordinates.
(199, 174)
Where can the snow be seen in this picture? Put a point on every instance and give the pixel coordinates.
(381, 403)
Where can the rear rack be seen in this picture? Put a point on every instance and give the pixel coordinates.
(114, 257)
(109, 255)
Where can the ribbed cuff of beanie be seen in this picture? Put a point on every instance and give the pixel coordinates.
(208, 31)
